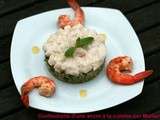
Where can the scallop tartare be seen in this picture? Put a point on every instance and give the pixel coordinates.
(74, 63)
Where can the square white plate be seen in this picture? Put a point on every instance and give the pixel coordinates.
(101, 93)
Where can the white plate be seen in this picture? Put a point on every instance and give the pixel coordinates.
(101, 93)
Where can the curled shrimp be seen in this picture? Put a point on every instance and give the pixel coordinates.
(64, 20)
(45, 86)
(117, 68)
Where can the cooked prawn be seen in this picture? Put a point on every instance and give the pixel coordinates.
(64, 20)
(45, 86)
(117, 68)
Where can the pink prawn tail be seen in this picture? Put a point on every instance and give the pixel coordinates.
(140, 76)
(74, 4)
(25, 100)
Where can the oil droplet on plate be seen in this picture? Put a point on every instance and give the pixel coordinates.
(35, 50)
(83, 93)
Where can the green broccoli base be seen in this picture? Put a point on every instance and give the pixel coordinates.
(83, 77)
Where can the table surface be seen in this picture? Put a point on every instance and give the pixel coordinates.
(143, 15)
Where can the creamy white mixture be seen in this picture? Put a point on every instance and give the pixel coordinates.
(84, 60)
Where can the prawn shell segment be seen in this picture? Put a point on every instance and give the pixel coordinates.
(64, 20)
(118, 70)
(45, 86)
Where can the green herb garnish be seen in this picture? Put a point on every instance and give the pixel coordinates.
(80, 42)
(70, 51)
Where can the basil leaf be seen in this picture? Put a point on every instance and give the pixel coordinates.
(70, 51)
(82, 42)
